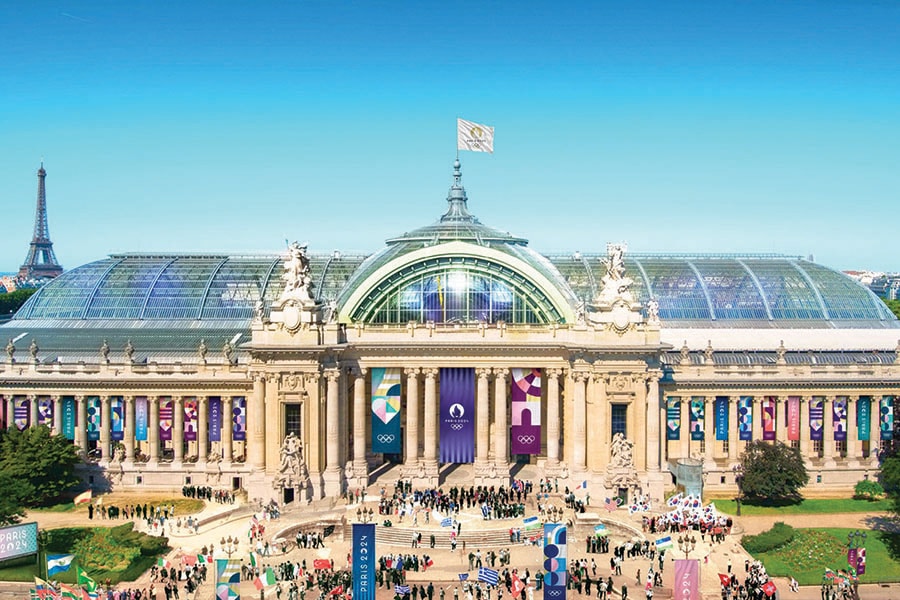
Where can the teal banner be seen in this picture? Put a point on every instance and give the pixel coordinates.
(673, 418)
(93, 418)
(68, 417)
(698, 417)
(864, 417)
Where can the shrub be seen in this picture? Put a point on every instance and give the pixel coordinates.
(868, 490)
(778, 536)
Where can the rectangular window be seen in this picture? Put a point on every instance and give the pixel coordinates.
(840, 448)
(795, 444)
(703, 446)
(818, 447)
(725, 447)
(619, 419)
(292, 420)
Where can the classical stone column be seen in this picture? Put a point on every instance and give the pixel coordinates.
(272, 426)
(10, 412)
(601, 441)
(153, 427)
(56, 400)
(202, 430)
(828, 432)
(129, 429)
(482, 417)
(105, 426)
(780, 419)
(638, 410)
(178, 431)
(501, 425)
(685, 428)
(227, 430)
(80, 426)
(757, 418)
(360, 466)
(579, 416)
(553, 417)
(653, 421)
(412, 419)
(733, 433)
(804, 428)
(333, 475)
(32, 410)
(256, 444)
(431, 422)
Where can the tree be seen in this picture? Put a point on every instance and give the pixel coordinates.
(12, 500)
(11, 302)
(772, 471)
(46, 462)
(894, 305)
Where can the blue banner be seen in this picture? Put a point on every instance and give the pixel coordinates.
(386, 410)
(116, 419)
(364, 562)
(555, 563)
(720, 407)
(457, 410)
(745, 418)
(68, 417)
(140, 418)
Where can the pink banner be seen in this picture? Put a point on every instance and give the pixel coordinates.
(793, 418)
(687, 580)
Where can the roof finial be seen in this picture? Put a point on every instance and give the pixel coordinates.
(457, 211)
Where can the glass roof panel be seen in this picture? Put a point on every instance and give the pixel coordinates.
(732, 291)
(122, 292)
(179, 291)
(787, 291)
(676, 288)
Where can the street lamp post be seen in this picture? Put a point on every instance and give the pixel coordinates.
(229, 545)
(363, 515)
(554, 514)
(686, 544)
(738, 470)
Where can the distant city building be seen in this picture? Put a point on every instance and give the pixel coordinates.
(40, 263)
(885, 285)
(457, 348)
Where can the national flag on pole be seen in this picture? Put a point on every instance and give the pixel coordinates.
(611, 504)
(252, 559)
(664, 543)
(769, 588)
(463, 576)
(57, 563)
(163, 563)
(529, 523)
(265, 579)
(321, 563)
(67, 592)
(429, 562)
(474, 137)
(403, 590)
(487, 575)
(582, 485)
(83, 497)
(724, 579)
(84, 579)
(43, 589)
(337, 590)
(190, 560)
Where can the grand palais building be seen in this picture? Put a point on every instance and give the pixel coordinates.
(455, 348)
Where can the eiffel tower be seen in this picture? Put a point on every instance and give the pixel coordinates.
(41, 261)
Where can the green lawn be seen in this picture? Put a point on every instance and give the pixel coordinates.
(807, 555)
(806, 506)
(183, 506)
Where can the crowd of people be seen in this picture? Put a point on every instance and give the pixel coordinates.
(202, 492)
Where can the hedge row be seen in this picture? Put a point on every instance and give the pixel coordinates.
(778, 536)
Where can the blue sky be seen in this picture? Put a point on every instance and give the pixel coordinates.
(677, 127)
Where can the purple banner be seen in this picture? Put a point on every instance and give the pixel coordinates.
(816, 417)
(21, 413)
(840, 418)
(861, 561)
(793, 418)
(239, 418)
(116, 419)
(215, 419)
(457, 415)
(768, 418)
(166, 408)
(852, 558)
(140, 418)
(190, 419)
(45, 411)
(525, 433)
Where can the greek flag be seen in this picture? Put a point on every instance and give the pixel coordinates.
(401, 589)
(487, 575)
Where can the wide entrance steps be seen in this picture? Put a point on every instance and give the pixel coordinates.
(473, 536)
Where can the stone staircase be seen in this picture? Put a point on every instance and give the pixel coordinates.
(401, 537)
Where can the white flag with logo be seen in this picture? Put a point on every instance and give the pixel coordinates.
(475, 137)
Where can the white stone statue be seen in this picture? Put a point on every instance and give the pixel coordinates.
(621, 452)
(616, 284)
(297, 275)
(292, 472)
(653, 311)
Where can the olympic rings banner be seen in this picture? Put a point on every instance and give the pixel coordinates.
(698, 417)
(673, 418)
(864, 418)
(839, 408)
(555, 563)
(745, 418)
(457, 410)
(117, 419)
(886, 417)
(386, 435)
(816, 417)
(525, 401)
